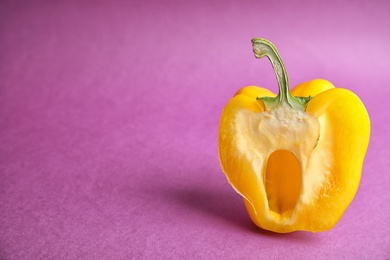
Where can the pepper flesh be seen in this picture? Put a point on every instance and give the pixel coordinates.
(297, 166)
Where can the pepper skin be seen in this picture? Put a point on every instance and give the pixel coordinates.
(296, 158)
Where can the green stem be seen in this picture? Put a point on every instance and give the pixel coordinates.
(263, 47)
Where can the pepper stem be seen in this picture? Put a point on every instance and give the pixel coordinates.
(263, 47)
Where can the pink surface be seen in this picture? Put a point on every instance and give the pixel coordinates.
(109, 115)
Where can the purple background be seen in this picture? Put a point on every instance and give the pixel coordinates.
(109, 115)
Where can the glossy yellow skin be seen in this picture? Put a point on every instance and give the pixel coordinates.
(343, 139)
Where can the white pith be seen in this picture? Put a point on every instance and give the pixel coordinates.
(260, 134)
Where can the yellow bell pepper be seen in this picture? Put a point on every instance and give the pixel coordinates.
(296, 157)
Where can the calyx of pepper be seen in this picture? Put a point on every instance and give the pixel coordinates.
(263, 47)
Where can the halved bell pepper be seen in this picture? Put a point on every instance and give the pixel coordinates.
(296, 158)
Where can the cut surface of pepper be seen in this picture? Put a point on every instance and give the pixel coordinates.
(296, 158)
